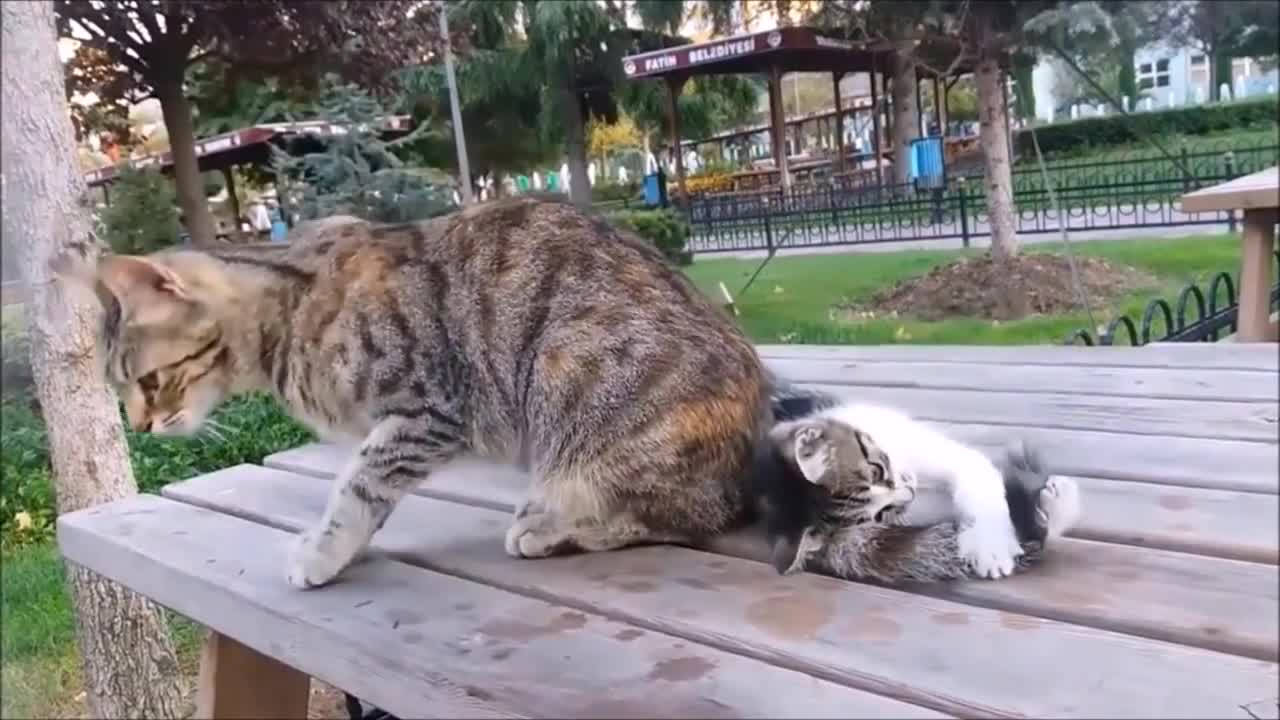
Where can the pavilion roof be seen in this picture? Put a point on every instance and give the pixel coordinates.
(246, 145)
(791, 49)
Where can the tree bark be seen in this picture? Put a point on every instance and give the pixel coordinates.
(178, 123)
(993, 124)
(130, 669)
(905, 125)
(576, 144)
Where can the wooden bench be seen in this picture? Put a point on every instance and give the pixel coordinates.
(1162, 603)
(1258, 196)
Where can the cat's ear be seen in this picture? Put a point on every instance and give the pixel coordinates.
(147, 291)
(785, 556)
(783, 436)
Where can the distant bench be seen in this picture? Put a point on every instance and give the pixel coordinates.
(1163, 603)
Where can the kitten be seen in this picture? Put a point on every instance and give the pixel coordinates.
(843, 474)
(522, 329)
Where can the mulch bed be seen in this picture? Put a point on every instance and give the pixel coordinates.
(981, 287)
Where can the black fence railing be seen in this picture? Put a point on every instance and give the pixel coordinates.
(1211, 319)
(1137, 192)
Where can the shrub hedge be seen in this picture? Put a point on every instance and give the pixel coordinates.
(1080, 135)
(663, 227)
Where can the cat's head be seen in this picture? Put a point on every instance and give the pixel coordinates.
(859, 478)
(161, 345)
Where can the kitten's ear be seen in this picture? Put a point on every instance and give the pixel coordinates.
(147, 291)
(783, 436)
(784, 556)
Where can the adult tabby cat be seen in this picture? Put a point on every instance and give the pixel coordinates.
(844, 474)
(523, 330)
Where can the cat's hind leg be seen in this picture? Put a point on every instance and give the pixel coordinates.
(574, 512)
(397, 455)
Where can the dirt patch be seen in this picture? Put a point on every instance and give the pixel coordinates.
(980, 287)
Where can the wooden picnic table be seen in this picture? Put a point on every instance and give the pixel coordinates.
(1258, 195)
(1161, 603)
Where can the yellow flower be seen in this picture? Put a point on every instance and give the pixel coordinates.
(901, 333)
(23, 519)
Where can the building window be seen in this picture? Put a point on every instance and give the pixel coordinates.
(1199, 61)
(1151, 76)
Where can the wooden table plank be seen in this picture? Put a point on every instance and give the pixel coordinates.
(1162, 383)
(910, 646)
(1203, 601)
(1255, 190)
(1253, 421)
(415, 642)
(1184, 356)
(1241, 526)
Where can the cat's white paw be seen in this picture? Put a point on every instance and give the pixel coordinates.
(1058, 506)
(990, 548)
(532, 536)
(311, 563)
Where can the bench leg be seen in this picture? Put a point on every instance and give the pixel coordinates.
(239, 682)
(1258, 242)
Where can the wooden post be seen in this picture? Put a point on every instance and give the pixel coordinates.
(777, 122)
(237, 681)
(1258, 240)
(674, 86)
(839, 122)
(919, 106)
(940, 105)
(875, 126)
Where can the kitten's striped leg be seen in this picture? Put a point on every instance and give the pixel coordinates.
(391, 461)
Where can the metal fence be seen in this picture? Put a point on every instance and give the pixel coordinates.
(1127, 192)
(1216, 312)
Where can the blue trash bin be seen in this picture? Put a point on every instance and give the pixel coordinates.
(655, 189)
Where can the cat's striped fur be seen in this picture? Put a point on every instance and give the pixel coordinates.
(521, 329)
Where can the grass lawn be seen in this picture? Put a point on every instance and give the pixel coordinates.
(38, 657)
(791, 300)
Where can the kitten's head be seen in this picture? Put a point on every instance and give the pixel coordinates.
(860, 481)
(161, 346)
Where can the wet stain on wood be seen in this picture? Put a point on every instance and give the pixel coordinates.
(638, 586)
(874, 627)
(521, 631)
(1014, 621)
(628, 635)
(1175, 502)
(951, 618)
(796, 617)
(681, 669)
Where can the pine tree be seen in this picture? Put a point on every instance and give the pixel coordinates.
(355, 172)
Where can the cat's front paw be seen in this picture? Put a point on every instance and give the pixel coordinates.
(990, 549)
(534, 535)
(311, 563)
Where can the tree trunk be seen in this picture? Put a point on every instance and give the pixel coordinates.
(229, 177)
(186, 169)
(576, 142)
(905, 125)
(130, 669)
(993, 123)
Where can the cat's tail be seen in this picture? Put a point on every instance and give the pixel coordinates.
(1041, 507)
(788, 401)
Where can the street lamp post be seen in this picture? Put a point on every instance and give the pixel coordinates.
(459, 138)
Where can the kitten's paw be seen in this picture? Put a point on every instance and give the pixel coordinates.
(1058, 506)
(990, 549)
(312, 563)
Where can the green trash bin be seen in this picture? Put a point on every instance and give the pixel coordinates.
(522, 183)
(553, 182)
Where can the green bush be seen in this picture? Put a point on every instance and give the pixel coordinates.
(143, 214)
(1081, 135)
(664, 228)
(253, 427)
(614, 191)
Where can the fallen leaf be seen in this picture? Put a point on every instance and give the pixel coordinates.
(23, 519)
